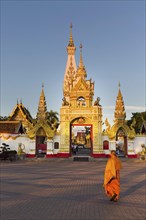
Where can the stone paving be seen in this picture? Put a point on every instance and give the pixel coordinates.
(70, 190)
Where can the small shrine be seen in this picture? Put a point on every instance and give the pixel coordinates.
(120, 136)
(41, 132)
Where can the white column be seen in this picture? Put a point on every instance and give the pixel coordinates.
(50, 147)
(130, 148)
(32, 147)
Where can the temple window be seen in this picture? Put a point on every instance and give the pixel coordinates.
(56, 145)
(105, 145)
(81, 101)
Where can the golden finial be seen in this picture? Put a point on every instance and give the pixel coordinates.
(71, 43)
(42, 85)
(119, 85)
(81, 69)
(119, 93)
(17, 102)
(81, 59)
(71, 25)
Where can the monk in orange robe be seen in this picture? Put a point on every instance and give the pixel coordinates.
(112, 177)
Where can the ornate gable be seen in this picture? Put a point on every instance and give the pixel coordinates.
(20, 113)
(81, 86)
(32, 132)
(130, 133)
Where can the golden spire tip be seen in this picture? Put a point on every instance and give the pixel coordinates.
(119, 84)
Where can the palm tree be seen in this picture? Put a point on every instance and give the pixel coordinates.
(52, 118)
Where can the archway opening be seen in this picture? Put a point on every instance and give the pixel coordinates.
(41, 143)
(81, 140)
(121, 142)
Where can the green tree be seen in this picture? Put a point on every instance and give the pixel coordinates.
(139, 117)
(53, 119)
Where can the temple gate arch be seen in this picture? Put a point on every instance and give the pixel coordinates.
(41, 142)
(121, 141)
(81, 136)
(78, 106)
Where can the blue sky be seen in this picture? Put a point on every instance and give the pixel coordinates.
(34, 36)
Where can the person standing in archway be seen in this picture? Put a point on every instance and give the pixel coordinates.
(112, 177)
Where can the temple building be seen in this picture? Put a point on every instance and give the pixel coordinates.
(80, 121)
(20, 113)
(78, 107)
(119, 136)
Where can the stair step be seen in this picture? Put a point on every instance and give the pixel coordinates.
(81, 158)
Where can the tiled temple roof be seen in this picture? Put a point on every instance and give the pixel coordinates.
(11, 127)
(25, 113)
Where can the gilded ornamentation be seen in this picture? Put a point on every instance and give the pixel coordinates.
(64, 102)
(133, 124)
(81, 120)
(81, 72)
(46, 130)
(78, 92)
(120, 122)
(120, 113)
(69, 76)
(107, 125)
(42, 108)
(129, 133)
(20, 113)
(42, 127)
(97, 101)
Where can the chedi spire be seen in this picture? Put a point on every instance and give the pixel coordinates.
(120, 113)
(42, 109)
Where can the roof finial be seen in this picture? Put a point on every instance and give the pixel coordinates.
(71, 43)
(81, 59)
(17, 102)
(81, 72)
(71, 25)
(42, 85)
(119, 85)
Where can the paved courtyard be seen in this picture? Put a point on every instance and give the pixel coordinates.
(70, 190)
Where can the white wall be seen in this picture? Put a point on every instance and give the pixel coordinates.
(56, 139)
(138, 141)
(14, 143)
(29, 145)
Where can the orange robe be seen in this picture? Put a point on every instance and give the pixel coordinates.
(112, 176)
